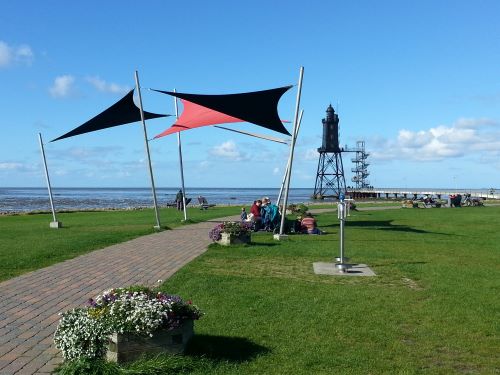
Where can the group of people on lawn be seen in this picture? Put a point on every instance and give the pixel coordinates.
(265, 215)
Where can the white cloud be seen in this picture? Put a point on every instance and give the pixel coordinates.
(204, 164)
(103, 86)
(16, 167)
(62, 87)
(276, 171)
(11, 54)
(228, 150)
(471, 123)
(60, 172)
(302, 175)
(123, 174)
(24, 54)
(11, 166)
(311, 154)
(464, 137)
(90, 154)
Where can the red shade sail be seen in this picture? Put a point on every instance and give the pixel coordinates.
(195, 116)
(258, 107)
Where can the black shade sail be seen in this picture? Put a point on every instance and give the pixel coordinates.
(122, 112)
(258, 107)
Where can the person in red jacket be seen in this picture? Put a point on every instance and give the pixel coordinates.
(308, 225)
(255, 211)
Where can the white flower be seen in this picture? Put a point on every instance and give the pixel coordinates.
(83, 332)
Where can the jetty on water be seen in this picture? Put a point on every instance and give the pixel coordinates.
(415, 193)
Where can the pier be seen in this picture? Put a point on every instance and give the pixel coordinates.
(406, 193)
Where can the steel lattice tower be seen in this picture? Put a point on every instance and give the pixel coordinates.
(361, 169)
(330, 180)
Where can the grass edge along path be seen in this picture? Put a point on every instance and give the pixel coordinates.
(27, 243)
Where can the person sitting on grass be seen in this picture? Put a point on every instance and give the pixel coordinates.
(256, 217)
(308, 224)
(270, 215)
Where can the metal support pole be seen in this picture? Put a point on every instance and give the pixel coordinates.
(288, 164)
(292, 146)
(138, 88)
(282, 186)
(341, 234)
(180, 161)
(342, 266)
(54, 223)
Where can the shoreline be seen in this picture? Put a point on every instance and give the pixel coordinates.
(381, 201)
(139, 208)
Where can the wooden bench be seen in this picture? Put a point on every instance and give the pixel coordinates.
(203, 203)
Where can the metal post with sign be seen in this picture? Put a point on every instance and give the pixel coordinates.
(342, 265)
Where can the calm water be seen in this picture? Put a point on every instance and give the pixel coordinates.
(37, 199)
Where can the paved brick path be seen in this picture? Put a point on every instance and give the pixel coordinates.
(29, 304)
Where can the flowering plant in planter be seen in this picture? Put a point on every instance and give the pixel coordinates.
(83, 332)
(234, 228)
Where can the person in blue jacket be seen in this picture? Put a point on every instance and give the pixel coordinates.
(271, 215)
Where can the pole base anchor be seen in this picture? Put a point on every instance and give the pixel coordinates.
(343, 267)
(55, 224)
(280, 237)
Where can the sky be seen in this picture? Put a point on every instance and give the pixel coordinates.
(418, 81)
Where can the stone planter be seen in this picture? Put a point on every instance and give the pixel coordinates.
(128, 347)
(230, 239)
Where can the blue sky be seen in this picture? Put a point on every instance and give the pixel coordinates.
(417, 81)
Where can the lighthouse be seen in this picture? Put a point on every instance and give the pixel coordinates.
(330, 180)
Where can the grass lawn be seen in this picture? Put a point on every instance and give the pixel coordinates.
(433, 307)
(27, 243)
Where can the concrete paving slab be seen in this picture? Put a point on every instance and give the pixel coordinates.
(321, 268)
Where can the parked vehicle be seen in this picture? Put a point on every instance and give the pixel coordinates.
(472, 201)
(428, 202)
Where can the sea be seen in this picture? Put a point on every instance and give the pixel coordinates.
(22, 200)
